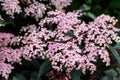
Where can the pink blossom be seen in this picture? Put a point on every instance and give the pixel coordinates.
(5, 38)
(60, 4)
(11, 7)
(64, 50)
(36, 10)
(11, 55)
(5, 69)
(64, 39)
(8, 56)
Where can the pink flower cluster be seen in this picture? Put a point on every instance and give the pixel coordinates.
(5, 69)
(34, 45)
(60, 4)
(8, 56)
(36, 10)
(11, 7)
(31, 7)
(71, 34)
(72, 44)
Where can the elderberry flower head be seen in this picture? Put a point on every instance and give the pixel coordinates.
(5, 69)
(36, 10)
(77, 45)
(11, 7)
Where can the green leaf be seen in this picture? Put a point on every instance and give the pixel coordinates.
(20, 76)
(106, 11)
(105, 78)
(4, 22)
(116, 78)
(88, 2)
(97, 1)
(33, 76)
(14, 78)
(115, 53)
(69, 33)
(75, 5)
(45, 67)
(85, 7)
(114, 4)
(117, 46)
(111, 73)
(119, 77)
(91, 15)
(35, 63)
(75, 74)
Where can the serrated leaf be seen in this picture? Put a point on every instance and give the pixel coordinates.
(20, 76)
(45, 67)
(115, 53)
(75, 74)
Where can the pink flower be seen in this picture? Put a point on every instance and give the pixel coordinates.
(71, 33)
(36, 10)
(5, 38)
(11, 7)
(64, 39)
(60, 4)
(5, 69)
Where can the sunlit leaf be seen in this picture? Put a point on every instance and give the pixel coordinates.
(4, 22)
(85, 7)
(91, 15)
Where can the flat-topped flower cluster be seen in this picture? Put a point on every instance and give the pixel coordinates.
(64, 38)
